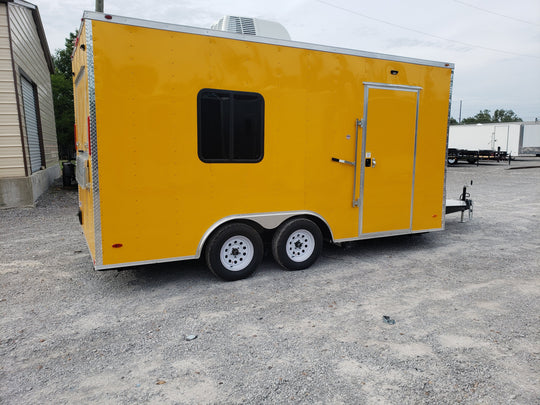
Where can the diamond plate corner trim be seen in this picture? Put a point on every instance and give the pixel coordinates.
(93, 142)
(446, 154)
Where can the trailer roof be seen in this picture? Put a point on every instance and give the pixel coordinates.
(91, 15)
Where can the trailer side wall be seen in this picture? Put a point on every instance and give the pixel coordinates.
(157, 198)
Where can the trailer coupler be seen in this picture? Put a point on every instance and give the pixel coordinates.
(465, 203)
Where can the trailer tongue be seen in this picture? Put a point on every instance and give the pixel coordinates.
(463, 204)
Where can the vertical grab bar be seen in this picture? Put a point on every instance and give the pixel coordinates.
(359, 123)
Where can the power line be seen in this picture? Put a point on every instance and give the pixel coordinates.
(495, 13)
(425, 33)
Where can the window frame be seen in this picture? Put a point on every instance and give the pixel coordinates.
(232, 94)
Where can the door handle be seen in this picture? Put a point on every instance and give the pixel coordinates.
(343, 161)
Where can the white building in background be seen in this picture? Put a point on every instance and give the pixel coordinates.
(515, 138)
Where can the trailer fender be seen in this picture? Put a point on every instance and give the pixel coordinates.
(268, 221)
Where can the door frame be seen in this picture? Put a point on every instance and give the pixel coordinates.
(394, 87)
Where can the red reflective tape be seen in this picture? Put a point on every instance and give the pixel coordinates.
(89, 144)
(117, 245)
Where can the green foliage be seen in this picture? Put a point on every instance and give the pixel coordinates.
(485, 117)
(482, 117)
(452, 121)
(62, 57)
(64, 115)
(62, 88)
(505, 116)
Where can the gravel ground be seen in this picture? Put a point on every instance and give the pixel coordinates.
(465, 303)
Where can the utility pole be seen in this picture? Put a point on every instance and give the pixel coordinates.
(460, 104)
(99, 6)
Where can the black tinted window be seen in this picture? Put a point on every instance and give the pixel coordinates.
(230, 126)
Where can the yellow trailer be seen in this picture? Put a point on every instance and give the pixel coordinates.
(201, 143)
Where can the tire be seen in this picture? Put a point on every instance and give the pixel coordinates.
(66, 179)
(67, 174)
(234, 251)
(297, 244)
(452, 160)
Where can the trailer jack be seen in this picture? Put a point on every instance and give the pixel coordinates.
(465, 203)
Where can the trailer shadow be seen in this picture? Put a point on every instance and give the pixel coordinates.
(153, 275)
(186, 274)
(377, 246)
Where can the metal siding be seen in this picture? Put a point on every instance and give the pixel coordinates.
(6, 75)
(5, 54)
(8, 109)
(28, 55)
(5, 63)
(8, 133)
(30, 118)
(11, 155)
(6, 172)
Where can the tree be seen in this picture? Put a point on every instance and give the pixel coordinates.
(62, 88)
(484, 117)
(505, 116)
(452, 121)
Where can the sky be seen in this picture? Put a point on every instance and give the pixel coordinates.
(494, 44)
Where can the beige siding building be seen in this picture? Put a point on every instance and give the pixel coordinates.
(28, 145)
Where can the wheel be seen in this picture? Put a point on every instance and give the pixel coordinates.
(297, 244)
(234, 251)
(452, 160)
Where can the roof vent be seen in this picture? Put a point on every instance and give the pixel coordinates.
(251, 26)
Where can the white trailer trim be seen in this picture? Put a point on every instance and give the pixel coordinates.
(91, 15)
